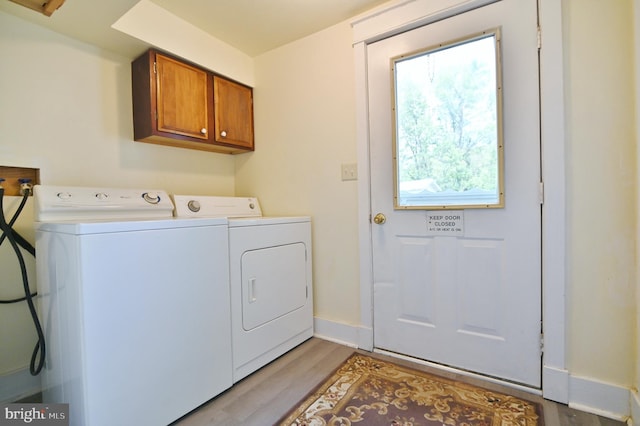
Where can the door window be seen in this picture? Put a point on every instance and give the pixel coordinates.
(448, 138)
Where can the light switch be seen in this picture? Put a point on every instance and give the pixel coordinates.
(350, 171)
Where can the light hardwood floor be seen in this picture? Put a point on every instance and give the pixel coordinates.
(266, 395)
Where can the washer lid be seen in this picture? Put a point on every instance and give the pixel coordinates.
(75, 203)
(213, 206)
(126, 225)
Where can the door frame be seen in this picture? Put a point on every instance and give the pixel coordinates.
(402, 15)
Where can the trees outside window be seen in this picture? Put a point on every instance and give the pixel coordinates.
(447, 134)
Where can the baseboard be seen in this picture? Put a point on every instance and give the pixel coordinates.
(596, 397)
(18, 385)
(365, 341)
(634, 401)
(555, 382)
(586, 394)
(337, 332)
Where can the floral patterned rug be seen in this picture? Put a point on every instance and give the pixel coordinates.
(368, 391)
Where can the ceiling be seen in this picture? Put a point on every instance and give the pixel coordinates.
(251, 26)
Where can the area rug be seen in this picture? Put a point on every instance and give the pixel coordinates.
(368, 391)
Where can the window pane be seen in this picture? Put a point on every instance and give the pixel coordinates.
(448, 145)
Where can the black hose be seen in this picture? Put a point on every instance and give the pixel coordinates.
(28, 247)
(22, 242)
(20, 299)
(19, 239)
(8, 232)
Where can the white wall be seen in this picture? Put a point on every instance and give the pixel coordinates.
(65, 107)
(635, 397)
(305, 129)
(602, 188)
(154, 25)
(304, 124)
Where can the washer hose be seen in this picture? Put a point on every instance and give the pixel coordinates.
(10, 234)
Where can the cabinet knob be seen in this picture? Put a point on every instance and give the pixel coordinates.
(223, 134)
(203, 131)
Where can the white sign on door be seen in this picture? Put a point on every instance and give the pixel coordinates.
(449, 223)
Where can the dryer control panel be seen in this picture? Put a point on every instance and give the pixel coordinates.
(214, 206)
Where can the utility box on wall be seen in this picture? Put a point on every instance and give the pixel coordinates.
(14, 175)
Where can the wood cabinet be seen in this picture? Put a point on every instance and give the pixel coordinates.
(46, 7)
(233, 113)
(179, 104)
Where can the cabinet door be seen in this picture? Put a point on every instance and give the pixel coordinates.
(233, 113)
(182, 98)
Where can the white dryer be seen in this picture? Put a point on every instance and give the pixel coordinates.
(270, 277)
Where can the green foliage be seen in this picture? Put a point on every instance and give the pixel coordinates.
(446, 119)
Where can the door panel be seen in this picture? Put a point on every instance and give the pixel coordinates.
(470, 299)
(481, 280)
(183, 98)
(273, 283)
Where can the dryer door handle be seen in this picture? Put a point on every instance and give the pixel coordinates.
(252, 290)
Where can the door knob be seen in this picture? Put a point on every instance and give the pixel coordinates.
(379, 219)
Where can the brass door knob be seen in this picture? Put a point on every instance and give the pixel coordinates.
(379, 219)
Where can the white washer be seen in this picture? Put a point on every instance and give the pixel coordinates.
(134, 303)
(270, 273)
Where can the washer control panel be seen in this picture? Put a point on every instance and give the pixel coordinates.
(54, 203)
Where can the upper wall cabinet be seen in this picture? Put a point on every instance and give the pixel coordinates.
(178, 104)
(233, 113)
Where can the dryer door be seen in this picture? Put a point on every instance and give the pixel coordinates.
(274, 283)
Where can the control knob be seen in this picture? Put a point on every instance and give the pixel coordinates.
(151, 197)
(194, 206)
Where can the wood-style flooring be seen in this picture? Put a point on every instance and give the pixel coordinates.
(265, 396)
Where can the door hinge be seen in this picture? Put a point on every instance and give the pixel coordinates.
(155, 68)
(541, 343)
(539, 35)
(541, 192)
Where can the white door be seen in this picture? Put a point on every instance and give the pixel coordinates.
(463, 291)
